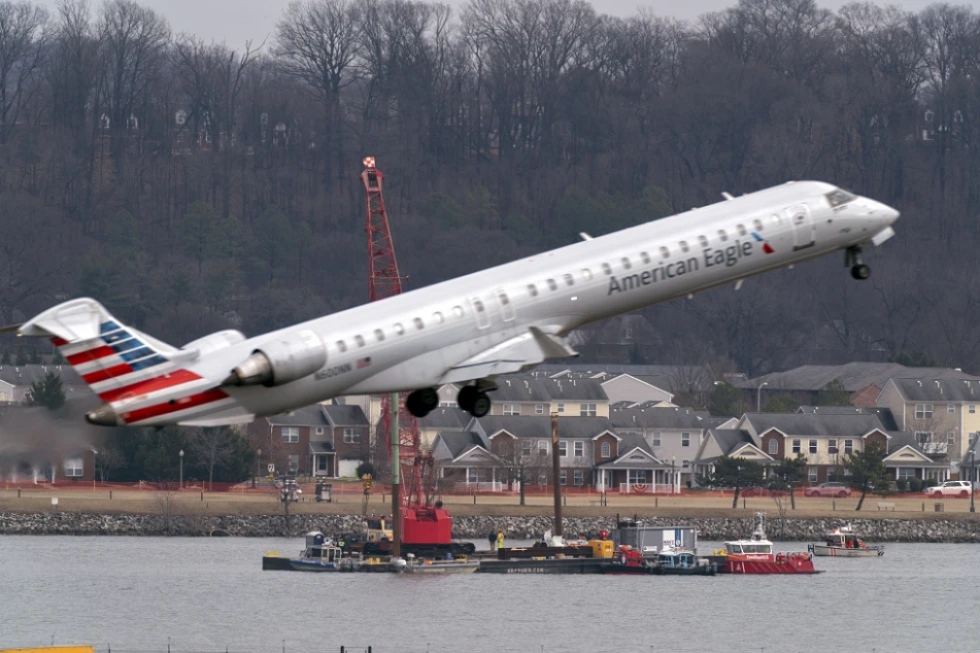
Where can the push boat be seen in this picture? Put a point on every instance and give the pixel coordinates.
(320, 554)
(755, 556)
(681, 562)
(843, 542)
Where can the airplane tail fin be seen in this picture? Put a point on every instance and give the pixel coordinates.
(108, 355)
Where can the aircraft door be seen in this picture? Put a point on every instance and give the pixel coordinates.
(480, 312)
(505, 306)
(804, 231)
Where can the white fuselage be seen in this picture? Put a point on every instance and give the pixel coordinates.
(412, 340)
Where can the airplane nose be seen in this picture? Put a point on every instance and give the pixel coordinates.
(890, 214)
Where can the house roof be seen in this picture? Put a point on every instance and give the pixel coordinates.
(305, 416)
(453, 444)
(939, 390)
(528, 388)
(662, 417)
(445, 418)
(533, 426)
(344, 415)
(816, 424)
(885, 415)
(321, 447)
(855, 376)
(672, 378)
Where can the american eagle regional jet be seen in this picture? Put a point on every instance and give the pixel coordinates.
(467, 330)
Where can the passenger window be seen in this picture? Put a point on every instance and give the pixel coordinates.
(776, 220)
(586, 274)
(665, 252)
(437, 317)
(532, 290)
(359, 341)
(722, 235)
(684, 247)
(645, 258)
(703, 240)
(626, 263)
(418, 323)
(757, 224)
(552, 285)
(741, 230)
(341, 346)
(379, 335)
(399, 329)
(458, 311)
(569, 279)
(606, 268)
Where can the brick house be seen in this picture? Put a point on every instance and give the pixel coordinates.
(318, 440)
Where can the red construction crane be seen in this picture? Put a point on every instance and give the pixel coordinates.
(420, 525)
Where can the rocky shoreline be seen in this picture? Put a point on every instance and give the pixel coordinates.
(711, 529)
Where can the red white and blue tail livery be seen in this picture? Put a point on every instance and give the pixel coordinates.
(467, 330)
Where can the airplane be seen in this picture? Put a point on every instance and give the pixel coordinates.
(467, 330)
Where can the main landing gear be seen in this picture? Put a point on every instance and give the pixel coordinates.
(852, 257)
(474, 399)
(422, 402)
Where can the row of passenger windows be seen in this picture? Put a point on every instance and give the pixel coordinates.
(552, 284)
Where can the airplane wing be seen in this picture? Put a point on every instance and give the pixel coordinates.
(514, 355)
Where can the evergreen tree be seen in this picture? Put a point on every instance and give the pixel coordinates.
(833, 394)
(867, 471)
(5, 357)
(788, 475)
(726, 400)
(47, 392)
(781, 403)
(733, 473)
(22, 358)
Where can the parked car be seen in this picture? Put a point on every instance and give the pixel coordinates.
(757, 491)
(950, 489)
(832, 489)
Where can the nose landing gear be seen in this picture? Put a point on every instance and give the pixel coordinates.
(852, 257)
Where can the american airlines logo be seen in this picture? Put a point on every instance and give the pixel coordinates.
(711, 257)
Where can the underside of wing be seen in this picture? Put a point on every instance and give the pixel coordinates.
(515, 355)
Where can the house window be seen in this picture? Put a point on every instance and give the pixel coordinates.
(512, 409)
(656, 438)
(848, 447)
(319, 430)
(923, 437)
(773, 447)
(950, 408)
(539, 409)
(563, 449)
(351, 436)
(813, 446)
(636, 476)
(685, 439)
(797, 446)
(74, 468)
(543, 446)
(560, 408)
(605, 451)
(923, 411)
(293, 463)
(973, 409)
(811, 474)
(564, 477)
(542, 478)
(951, 438)
(526, 448)
(831, 446)
(587, 410)
(579, 449)
(578, 477)
(476, 475)
(906, 472)
(290, 434)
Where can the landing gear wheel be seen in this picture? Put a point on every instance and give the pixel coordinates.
(860, 271)
(481, 405)
(466, 397)
(422, 402)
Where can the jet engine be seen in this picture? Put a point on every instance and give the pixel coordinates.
(282, 360)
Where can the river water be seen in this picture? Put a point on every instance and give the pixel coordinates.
(210, 595)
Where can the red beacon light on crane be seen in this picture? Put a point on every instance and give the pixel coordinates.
(368, 162)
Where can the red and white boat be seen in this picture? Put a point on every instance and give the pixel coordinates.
(755, 556)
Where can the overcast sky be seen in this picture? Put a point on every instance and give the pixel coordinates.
(236, 21)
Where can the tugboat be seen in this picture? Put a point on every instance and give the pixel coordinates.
(320, 554)
(843, 542)
(681, 562)
(755, 556)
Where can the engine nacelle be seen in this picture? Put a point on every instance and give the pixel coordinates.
(214, 342)
(281, 361)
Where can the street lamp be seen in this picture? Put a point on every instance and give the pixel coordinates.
(258, 466)
(673, 477)
(181, 454)
(758, 397)
(973, 475)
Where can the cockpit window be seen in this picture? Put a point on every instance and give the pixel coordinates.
(837, 197)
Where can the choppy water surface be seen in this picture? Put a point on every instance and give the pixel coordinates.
(143, 594)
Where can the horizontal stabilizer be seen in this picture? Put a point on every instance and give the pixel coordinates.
(514, 355)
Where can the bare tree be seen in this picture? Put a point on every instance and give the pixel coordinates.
(24, 32)
(521, 461)
(212, 446)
